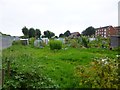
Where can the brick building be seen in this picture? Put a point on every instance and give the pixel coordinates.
(118, 30)
(107, 31)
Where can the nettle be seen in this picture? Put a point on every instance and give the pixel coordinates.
(102, 73)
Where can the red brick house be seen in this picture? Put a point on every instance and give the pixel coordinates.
(106, 31)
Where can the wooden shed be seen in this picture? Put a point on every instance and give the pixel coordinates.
(115, 41)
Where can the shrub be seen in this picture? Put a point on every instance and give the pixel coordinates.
(16, 42)
(55, 45)
(85, 41)
(31, 42)
(20, 80)
(102, 73)
(73, 43)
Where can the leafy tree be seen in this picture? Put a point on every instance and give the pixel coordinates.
(61, 35)
(31, 32)
(48, 34)
(89, 31)
(56, 36)
(37, 33)
(25, 31)
(67, 33)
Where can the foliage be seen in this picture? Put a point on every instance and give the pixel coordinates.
(24, 37)
(22, 78)
(89, 31)
(25, 31)
(73, 43)
(16, 42)
(85, 41)
(61, 35)
(102, 73)
(67, 33)
(67, 40)
(43, 44)
(31, 41)
(117, 49)
(58, 67)
(31, 32)
(99, 43)
(55, 45)
(48, 34)
(37, 33)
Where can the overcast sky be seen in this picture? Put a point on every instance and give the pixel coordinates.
(56, 15)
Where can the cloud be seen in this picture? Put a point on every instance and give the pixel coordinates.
(56, 15)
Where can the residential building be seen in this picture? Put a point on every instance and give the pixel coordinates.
(74, 35)
(106, 31)
(118, 30)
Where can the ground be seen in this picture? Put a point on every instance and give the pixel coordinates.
(58, 65)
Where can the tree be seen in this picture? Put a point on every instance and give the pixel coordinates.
(56, 36)
(37, 33)
(31, 32)
(89, 31)
(61, 35)
(25, 31)
(67, 33)
(48, 34)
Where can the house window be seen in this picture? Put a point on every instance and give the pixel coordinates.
(104, 30)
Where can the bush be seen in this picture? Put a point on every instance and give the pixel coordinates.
(102, 73)
(16, 42)
(22, 80)
(55, 45)
(73, 43)
(31, 42)
(85, 41)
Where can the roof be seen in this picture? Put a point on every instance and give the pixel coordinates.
(102, 27)
(23, 39)
(75, 33)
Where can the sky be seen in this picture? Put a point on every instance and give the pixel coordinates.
(57, 16)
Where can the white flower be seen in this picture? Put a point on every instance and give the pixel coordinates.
(104, 60)
(117, 55)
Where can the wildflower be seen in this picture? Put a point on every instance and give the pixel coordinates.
(104, 60)
(117, 55)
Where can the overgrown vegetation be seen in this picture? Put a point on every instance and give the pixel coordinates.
(55, 45)
(67, 68)
(102, 73)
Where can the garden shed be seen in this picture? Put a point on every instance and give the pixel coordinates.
(24, 41)
(115, 41)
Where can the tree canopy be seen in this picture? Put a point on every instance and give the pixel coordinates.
(67, 33)
(89, 31)
(25, 31)
(37, 33)
(31, 32)
(48, 34)
(61, 35)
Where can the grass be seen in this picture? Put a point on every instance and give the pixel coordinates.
(58, 65)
